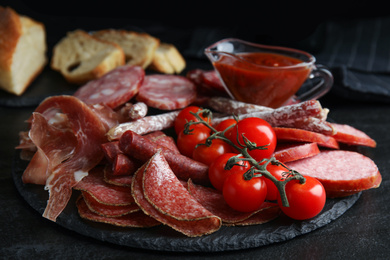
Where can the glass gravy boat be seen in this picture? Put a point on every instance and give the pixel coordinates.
(267, 75)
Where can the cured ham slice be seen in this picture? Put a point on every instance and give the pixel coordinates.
(54, 145)
(114, 88)
(167, 92)
(342, 173)
(90, 134)
(161, 195)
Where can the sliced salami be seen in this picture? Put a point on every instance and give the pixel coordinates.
(167, 92)
(213, 201)
(352, 136)
(161, 195)
(143, 149)
(136, 219)
(299, 135)
(104, 192)
(119, 180)
(288, 152)
(114, 88)
(108, 210)
(341, 172)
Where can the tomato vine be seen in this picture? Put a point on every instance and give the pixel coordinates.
(258, 168)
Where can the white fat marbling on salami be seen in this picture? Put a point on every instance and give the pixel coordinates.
(114, 88)
(163, 189)
(167, 92)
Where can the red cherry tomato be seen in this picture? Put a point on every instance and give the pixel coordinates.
(185, 116)
(305, 200)
(225, 124)
(186, 142)
(217, 172)
(207, 154)
(244, 195)
(277, 172)
(257, 131)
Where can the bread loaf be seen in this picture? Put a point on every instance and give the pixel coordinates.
(139, 47)
(22, 50)
(80, 57)
(167, 59)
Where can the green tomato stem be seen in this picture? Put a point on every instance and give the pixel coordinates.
(260, 168)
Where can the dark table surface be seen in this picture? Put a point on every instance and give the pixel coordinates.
(362, 232)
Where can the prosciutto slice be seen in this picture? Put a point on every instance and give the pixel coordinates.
(89, 132)
(54, 145)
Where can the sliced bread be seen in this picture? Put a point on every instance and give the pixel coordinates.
(22, 50)
(80, 57)
(139, 47)
(167, 59)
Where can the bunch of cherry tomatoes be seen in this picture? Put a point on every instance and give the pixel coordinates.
(306, 200)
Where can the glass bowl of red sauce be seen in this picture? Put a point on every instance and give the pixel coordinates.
(267, 75)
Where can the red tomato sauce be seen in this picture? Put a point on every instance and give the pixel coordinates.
(262, 78)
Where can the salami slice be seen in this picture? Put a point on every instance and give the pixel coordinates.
(143, 149)
(104, 192)
(213, 201)
(352, 136)
(341, 172)
(300, 135)
(108, 210)
(119, 180)
(161, 195)
(288, 152)
(114, 88)
(137, 219)
(167, 92)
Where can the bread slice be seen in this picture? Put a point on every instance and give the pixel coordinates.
(139, 48)
(22, 50)
(167, 59)
(80, 57)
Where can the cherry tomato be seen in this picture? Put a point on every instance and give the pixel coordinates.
(277, 172)
(185, 116)
(305, 200)
(218, 174)
(225, 124)
(257, 131)
(244, 195)
(186, 142)
(207, 154)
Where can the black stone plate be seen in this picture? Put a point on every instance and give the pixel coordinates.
(163, 238)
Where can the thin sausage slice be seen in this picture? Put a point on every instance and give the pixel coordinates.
(300, 135)
(162, 196)
(167, 92)
(341, 172)
(352, 136)
(114, 88)
(288, 152)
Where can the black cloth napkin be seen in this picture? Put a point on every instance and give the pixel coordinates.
(358, 53)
